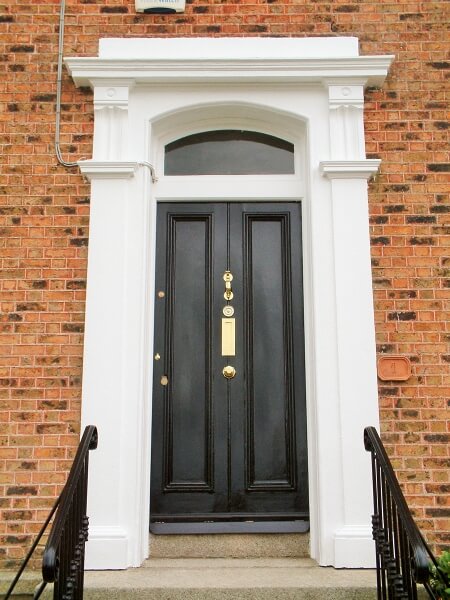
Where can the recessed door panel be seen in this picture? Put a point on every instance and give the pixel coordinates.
(229, 425)
(188, 423)
(269, 397)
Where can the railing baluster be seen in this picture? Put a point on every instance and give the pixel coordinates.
(402, 556)
(405, 555)
(63, 560)
(376, 523)
(381, 531)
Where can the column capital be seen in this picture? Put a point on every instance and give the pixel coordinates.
(349, 169)
(112, 93)
(108, 169)
(345, 93)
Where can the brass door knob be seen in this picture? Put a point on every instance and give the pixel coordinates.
(229, 372)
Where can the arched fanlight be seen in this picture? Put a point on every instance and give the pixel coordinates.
(229, 152)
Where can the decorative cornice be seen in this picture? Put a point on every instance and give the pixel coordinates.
(108, 169)
(87, 71)
(349, 169)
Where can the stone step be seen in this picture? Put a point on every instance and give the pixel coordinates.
(241, 545)
(231, 579)
(228, 579)
(25, 586)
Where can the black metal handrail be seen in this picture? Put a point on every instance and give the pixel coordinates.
(63, 559)
(403, 558)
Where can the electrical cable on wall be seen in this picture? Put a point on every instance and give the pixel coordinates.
(141, 163)
(58, 88)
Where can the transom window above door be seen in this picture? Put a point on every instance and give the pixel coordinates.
(229, 152)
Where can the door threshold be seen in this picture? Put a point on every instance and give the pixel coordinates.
(230, 527)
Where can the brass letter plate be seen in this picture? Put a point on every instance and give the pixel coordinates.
(228, 337)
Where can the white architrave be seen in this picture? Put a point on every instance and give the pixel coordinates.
(313, 90)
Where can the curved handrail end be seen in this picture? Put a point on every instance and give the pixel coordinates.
(49, 565)
(94, 437)
(368, 434)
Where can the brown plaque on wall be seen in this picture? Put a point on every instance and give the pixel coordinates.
(394, 368)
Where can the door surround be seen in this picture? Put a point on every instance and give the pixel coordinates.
(147, 90)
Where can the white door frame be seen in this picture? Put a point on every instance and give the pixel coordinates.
(147, 91)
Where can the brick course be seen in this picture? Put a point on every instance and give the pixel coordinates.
(44, 220)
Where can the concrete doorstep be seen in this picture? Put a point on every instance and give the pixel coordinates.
(234, 579)
(220, 579)
(25, 586)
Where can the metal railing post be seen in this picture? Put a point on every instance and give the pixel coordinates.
(63, 559)
(403, 558)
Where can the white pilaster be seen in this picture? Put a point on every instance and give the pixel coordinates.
(114, 375)
(355, 334)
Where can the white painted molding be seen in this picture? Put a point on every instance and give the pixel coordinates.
(350, 169)
(346, 94)
(111, 121)
(230, 48)
(354, 548)
(223, 59)
(107, 547)
(372, 69)
(113, 94)
(108, 169)
(346, 103)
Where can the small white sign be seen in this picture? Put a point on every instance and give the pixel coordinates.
(160, 6)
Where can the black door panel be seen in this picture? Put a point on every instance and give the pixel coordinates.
(229, 448)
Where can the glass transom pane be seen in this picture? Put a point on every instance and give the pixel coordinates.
(229, 152)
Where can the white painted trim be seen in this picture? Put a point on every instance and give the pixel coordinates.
(350, 169)
(101, 169)
(264, 187)
(371, 68)
(200, 48)
(354, 547)
(314, 90)
(247, 60)
(107, 547)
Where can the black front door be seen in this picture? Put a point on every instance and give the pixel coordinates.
(229, 449)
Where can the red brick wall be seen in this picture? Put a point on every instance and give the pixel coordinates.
(44, 213)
